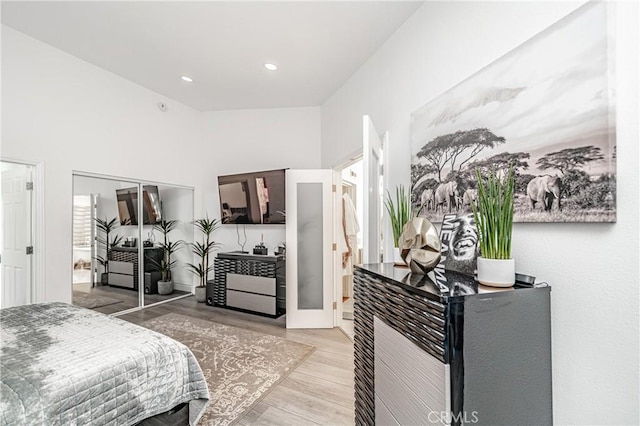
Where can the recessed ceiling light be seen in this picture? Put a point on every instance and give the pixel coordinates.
(187, 79)
(271, 67)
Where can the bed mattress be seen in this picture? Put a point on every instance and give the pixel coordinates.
(65, 365)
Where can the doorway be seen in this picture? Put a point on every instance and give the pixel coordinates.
(360, 180)
(351, 244)
(16, 234)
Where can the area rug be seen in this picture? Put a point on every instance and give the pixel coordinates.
(92, 301)
(240, 365)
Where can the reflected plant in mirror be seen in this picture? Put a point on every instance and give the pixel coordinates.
(106, 243)
(165, 285)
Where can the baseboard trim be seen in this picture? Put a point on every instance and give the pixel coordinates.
(183, 287)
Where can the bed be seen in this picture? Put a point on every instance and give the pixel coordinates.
(65, 365)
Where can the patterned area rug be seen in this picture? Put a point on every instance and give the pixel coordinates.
(240, 365)
(88, 300)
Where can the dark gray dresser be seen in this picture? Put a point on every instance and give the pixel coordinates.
(248, 282)
(450, 352)
(123, 267)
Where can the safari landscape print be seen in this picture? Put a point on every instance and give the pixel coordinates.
(546, 109)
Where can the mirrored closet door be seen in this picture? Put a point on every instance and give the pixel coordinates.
(129, 251)
(172, 235)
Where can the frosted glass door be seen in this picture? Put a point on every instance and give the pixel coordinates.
(309, 256)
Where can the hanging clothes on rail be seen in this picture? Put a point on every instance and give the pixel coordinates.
(350, 228)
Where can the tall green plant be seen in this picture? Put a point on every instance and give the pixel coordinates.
(201, 269)
(203, 249)
(168, 247)
(107, 227)
(399, 210)
(494, 214)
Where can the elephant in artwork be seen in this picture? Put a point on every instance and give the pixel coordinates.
(427, 199)
(469, 196)
(544, 189)
(446, 194)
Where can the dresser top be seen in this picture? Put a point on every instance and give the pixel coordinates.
(122, 248)
(446, 286)
(249, 256)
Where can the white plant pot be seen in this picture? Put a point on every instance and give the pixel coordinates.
(200, 294)
(165, 287)
(496, 272)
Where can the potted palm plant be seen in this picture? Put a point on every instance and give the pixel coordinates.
(106, 226)
(202, 250)
(399, 210)
(494, 221)
(165, 264)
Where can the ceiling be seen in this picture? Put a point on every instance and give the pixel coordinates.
(221, 45)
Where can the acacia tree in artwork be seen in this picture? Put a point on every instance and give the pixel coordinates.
(434, 153)
(503, 161)
(419, 170)
(447, 149)
(570, 158)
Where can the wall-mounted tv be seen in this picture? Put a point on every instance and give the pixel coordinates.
(128, 205)
(253, 198)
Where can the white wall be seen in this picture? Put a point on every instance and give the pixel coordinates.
(254, 140)
(71, 115)
(593, 268)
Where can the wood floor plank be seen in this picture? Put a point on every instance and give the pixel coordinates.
(332, 340)
(338, 360)
(322, 389)
(327, 372)
(309, 407)
(264, 414)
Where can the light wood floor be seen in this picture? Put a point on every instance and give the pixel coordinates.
(319, 391)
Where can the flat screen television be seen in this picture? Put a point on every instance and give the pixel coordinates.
(128, 205)
(253, 198)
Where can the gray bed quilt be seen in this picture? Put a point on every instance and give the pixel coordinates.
(64, 365)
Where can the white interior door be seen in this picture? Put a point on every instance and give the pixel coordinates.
(309, 229)
(15, 278)
(338, 236)
(372, 161)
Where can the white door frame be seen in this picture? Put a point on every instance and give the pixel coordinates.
(381, 142)
(322, 317)
(337, 255)
(37, 284)
(388, 248)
